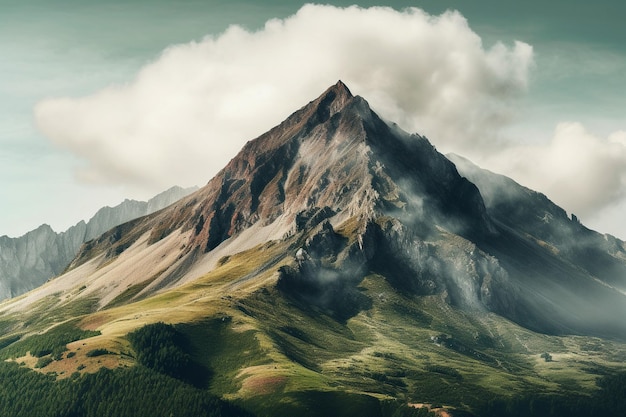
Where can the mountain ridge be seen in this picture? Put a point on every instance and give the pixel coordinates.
(337, 256)
(29, 260)
(334, 160)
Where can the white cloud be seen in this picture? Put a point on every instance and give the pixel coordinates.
(189, 111)
(581, 172)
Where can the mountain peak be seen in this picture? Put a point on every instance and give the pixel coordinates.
(332, 101)
(341, 89)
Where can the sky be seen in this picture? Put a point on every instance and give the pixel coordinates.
(106, 100)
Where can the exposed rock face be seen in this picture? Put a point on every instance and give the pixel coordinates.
(579, 274)
(337, 154)
(533, 214)
(28, 261)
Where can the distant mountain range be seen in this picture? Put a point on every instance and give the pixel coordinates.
(28, 261)
(337, 266)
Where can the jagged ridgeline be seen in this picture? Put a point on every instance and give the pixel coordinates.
(28, 261)
(341, 266)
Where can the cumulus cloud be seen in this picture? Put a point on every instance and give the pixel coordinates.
(579, 171)
(189, 111)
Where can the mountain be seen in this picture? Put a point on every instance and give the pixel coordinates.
(338, 266)
(534, 216)
(28, 261)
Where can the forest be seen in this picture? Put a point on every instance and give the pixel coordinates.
(167, 382)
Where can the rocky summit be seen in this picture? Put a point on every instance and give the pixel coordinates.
(339, 258)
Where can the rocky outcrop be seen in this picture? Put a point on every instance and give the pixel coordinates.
(326, 274)
(30, 260)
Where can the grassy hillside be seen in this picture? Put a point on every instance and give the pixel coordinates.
(234, 336)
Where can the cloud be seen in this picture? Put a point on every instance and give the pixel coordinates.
(191, 109)
(579, 171)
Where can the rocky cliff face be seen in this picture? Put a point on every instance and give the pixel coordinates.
(337, 155)
(532, 214)
(30, 260)
(578, 276)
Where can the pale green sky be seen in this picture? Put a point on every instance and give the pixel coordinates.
(70, 48)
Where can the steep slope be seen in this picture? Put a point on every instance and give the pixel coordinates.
(534, 215)
(30, 260)
(579, 274)
(337, 265)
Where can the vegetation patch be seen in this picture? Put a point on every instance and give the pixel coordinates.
(610, 400)
(7, 325)
(295, 350)
(305, 334)
(50, 311)
(6, 341)
(213, 344)
(124, 392)
(331, 403)
(130, 293)
(43, 362)
(53, 342)
(317, 403)
(162, 348)
(444, 370)
(456, 345)
(97, 352)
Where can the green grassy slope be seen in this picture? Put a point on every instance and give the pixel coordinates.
(276, 355)
(420, 350)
